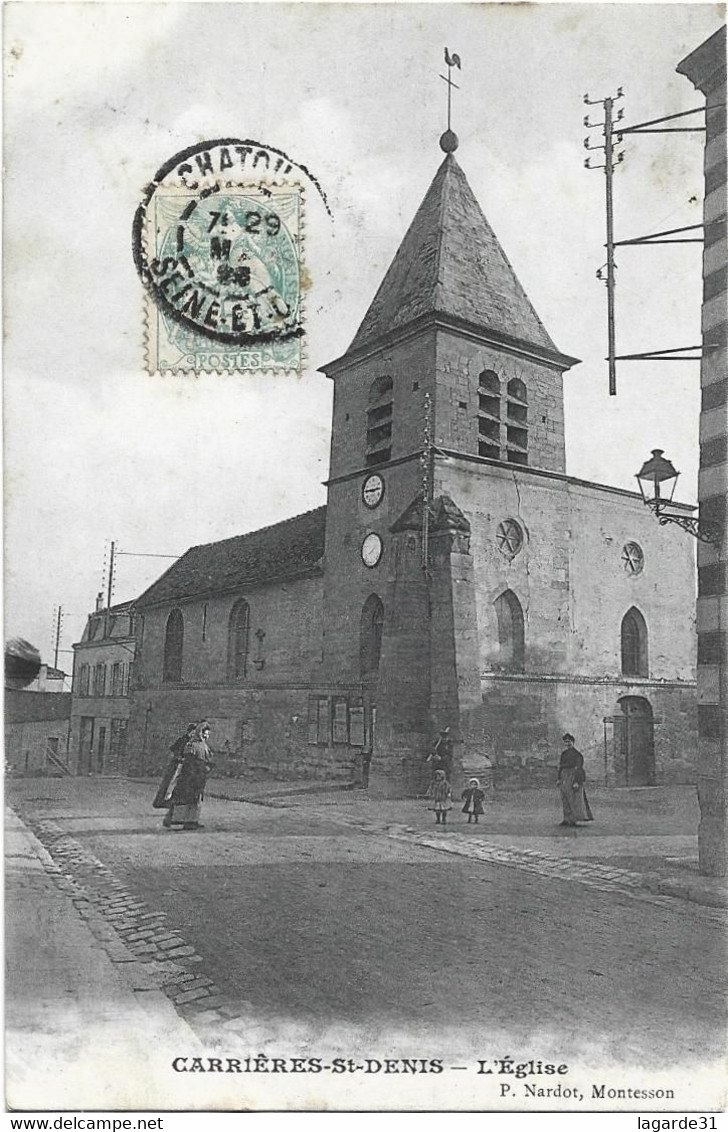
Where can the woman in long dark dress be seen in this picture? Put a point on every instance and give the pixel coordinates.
(189, 789)
(571, 779)
(162, 799)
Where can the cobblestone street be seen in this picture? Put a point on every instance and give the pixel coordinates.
(308, 928)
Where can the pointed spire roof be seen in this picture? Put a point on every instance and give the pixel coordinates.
(450, 263)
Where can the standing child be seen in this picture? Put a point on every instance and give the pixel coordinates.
(441, 795)
(473, 798)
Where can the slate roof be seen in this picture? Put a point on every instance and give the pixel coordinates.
(287, 550)
(450, 262)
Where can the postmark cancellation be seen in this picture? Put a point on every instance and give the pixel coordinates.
(222, 266)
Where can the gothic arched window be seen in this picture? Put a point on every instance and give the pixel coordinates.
(370, 636)
(174, 639)
(379, 421)
(238, 634)
(511, 641)
(517, 426)
(635, 660)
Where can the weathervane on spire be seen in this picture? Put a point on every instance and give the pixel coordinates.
(449, 140)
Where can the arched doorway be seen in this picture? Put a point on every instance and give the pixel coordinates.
(636, 748)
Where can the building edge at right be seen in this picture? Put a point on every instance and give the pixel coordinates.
(706, 69)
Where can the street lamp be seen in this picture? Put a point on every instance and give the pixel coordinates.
(657, 479)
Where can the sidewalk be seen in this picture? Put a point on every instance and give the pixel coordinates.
(646, 835)
(82, 1015)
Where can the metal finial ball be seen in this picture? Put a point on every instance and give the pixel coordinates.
(449, 141)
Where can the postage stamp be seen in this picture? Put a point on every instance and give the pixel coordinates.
(219, 241)
(225, 279)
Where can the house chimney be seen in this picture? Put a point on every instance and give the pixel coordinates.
(99, 602)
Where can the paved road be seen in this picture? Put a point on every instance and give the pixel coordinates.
(307, 930)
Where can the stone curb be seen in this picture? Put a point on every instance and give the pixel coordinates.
(158, 978)
(684, 890)
(595, 874)
(144, 989)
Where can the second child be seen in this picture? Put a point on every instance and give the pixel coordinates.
(473, 798)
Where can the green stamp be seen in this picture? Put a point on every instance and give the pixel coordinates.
(222, 268)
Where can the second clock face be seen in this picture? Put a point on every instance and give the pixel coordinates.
(371, 550)
(373, 490)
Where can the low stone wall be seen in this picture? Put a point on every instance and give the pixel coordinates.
(522, 719)
(255, 733)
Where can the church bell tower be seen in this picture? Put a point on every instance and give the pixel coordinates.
(450, 364)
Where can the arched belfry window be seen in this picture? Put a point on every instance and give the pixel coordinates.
(238, 639)
(489, 414)
(517, 424)
(370, 636)
(635, 657)
(174, 640)
(379, 421)
(511, 642)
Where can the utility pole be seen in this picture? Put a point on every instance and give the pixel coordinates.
(613, 133)
(59, 620)
(610, 160)
(609, 175)
(110, 586)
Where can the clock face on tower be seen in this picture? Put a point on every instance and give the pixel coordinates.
(373, 490)
(371, 550)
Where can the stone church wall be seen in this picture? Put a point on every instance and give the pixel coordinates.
(348, 582)
(569, 576)
(459, 364)
(410, 364)
(602, 523)
(574, 590)
(260, 725)
(521, 722)
(288, 614)
(257, 733)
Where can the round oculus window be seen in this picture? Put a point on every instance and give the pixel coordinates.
(633, 559)
(371, 550)
(509, 538)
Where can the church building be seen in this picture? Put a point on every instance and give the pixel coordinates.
(457, 576)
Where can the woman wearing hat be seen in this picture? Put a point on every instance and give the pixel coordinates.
(570, 780)
(163, 797)
(189, 789)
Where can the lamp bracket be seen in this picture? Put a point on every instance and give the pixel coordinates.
(703, 529)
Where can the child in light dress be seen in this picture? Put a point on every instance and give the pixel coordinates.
(441, 795)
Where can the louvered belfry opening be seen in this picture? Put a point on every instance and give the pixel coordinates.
(489, 414)
(379, 421)
(517, 422)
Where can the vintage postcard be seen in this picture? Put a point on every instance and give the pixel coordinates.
(365, 450)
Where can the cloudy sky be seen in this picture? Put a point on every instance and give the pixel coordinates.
(98, 96)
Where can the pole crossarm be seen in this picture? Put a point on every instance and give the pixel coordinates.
(613, 133)
(664, 355)
(642, 127)
(658, 237)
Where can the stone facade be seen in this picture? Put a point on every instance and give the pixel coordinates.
(36, 732)
(706, 69)
(102, 673)
(274, 711)
(504, 599)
